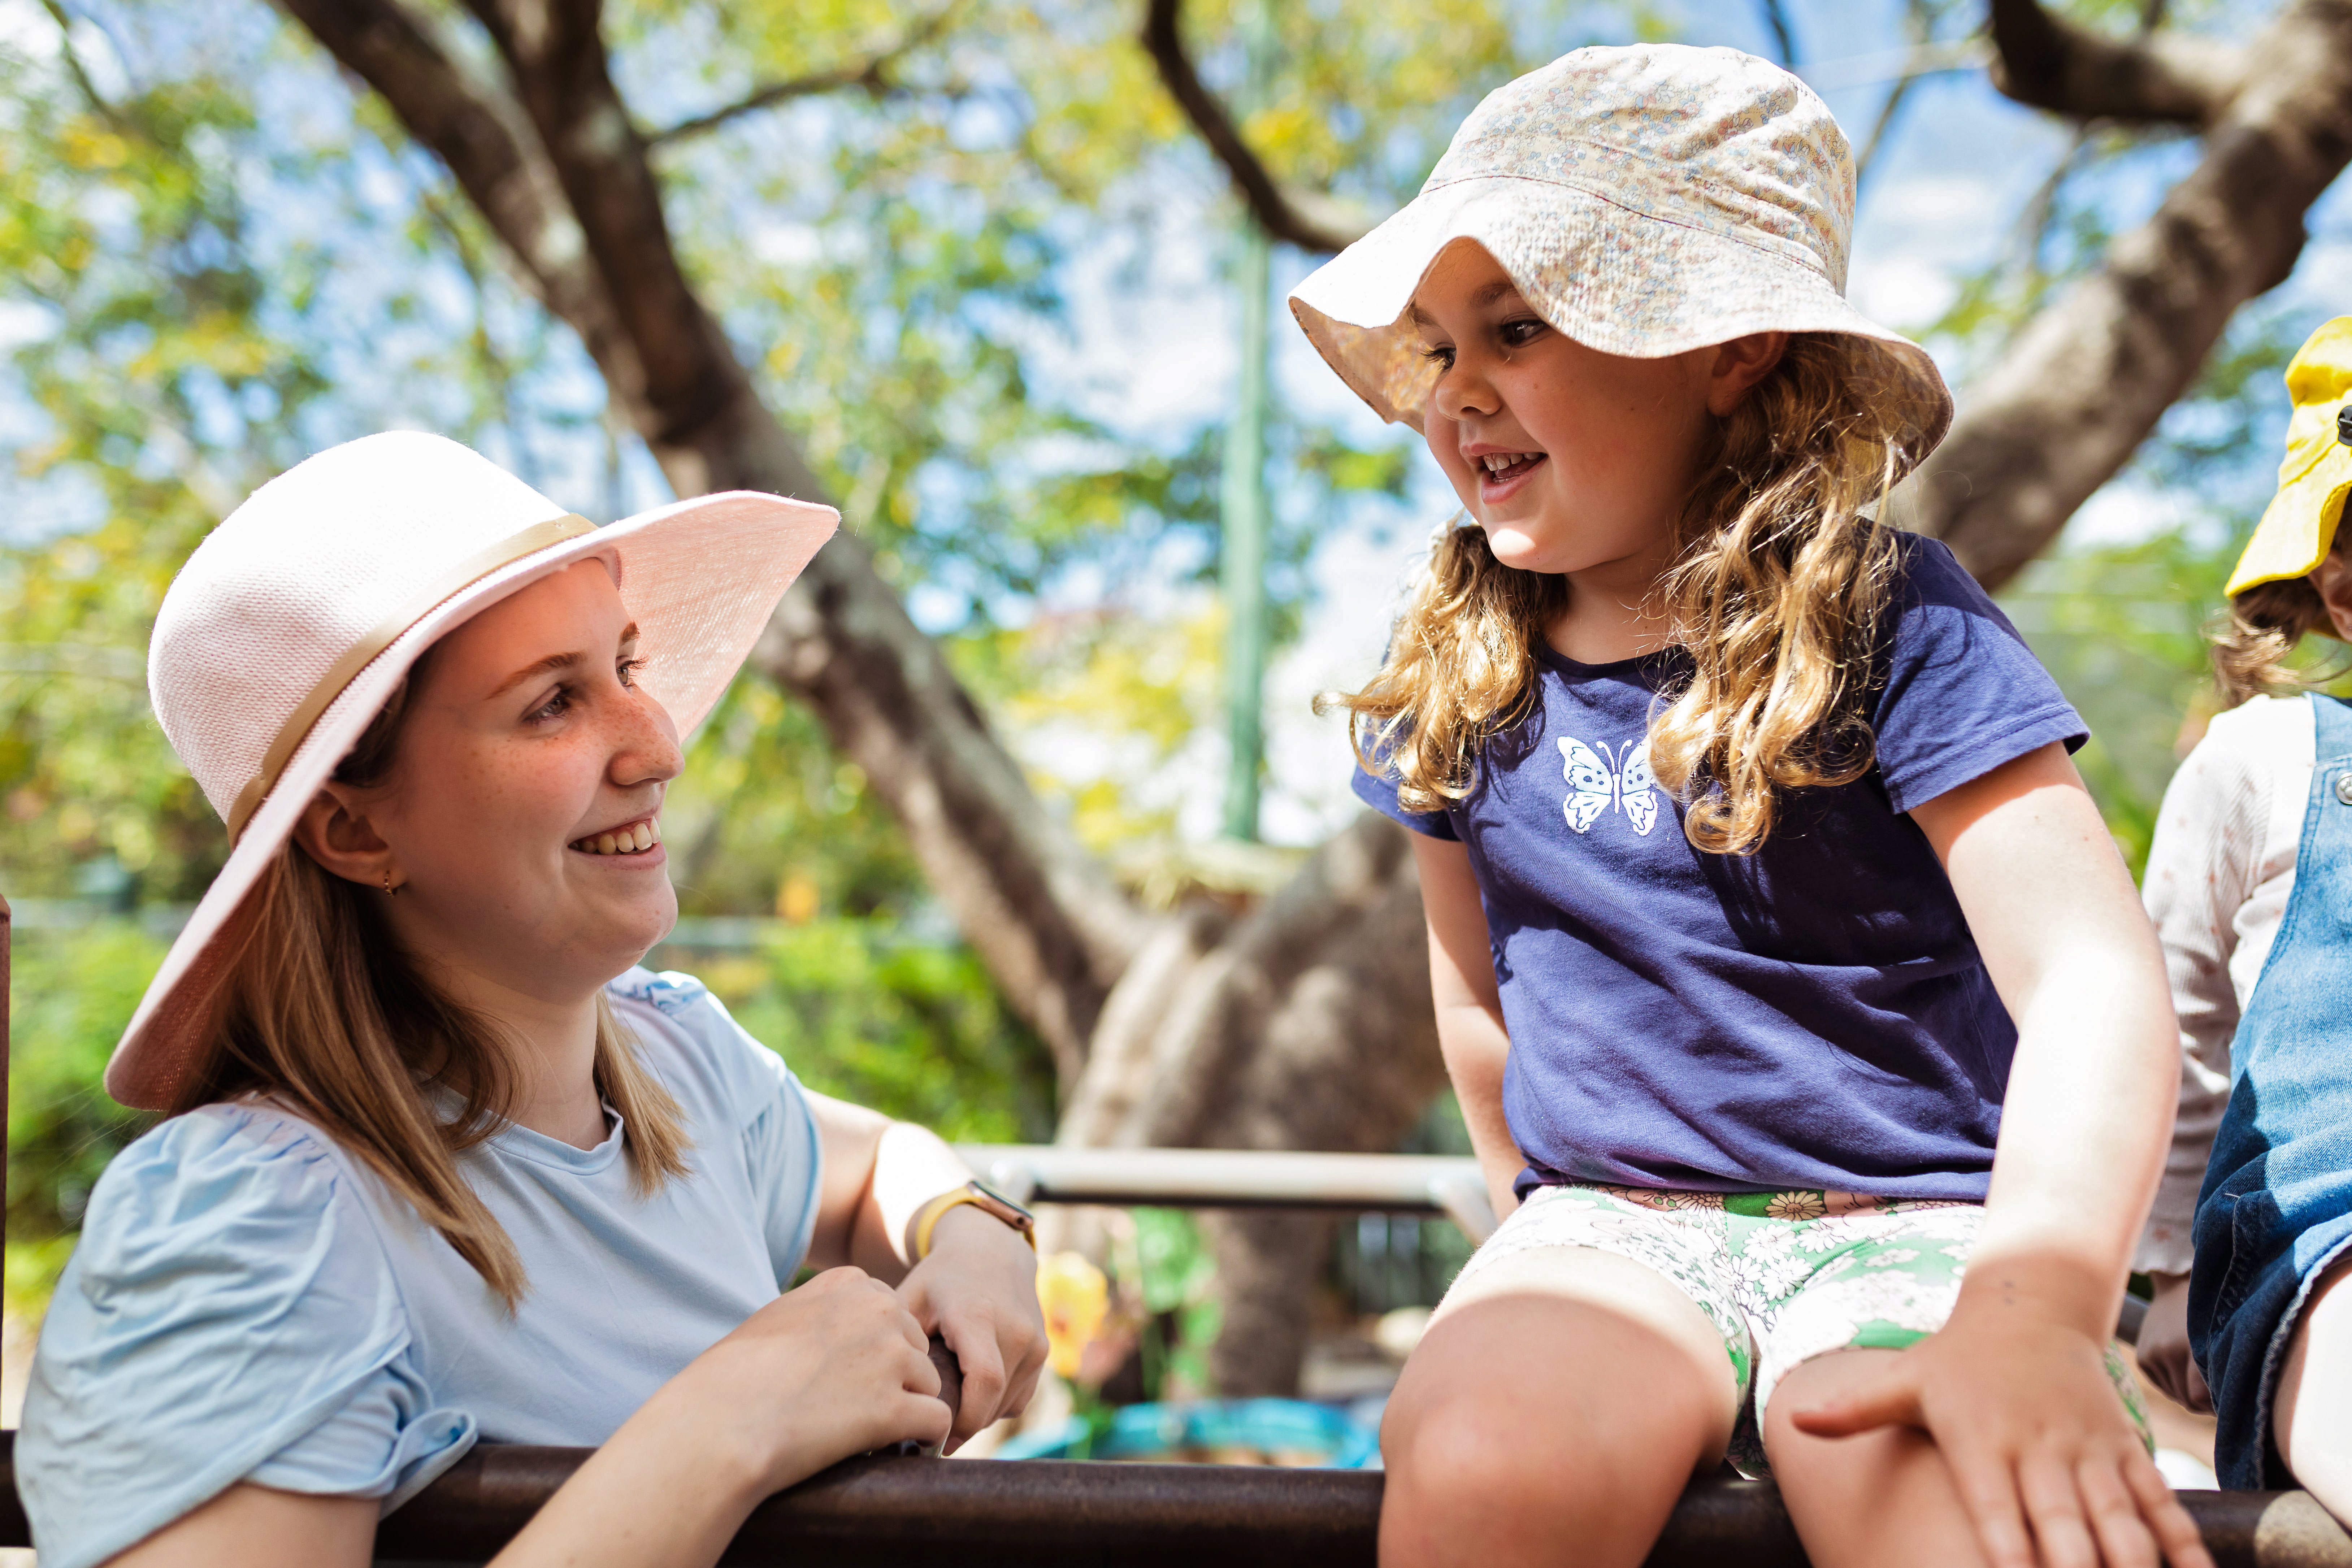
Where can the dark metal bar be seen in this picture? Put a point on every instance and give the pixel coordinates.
(979, 1513)
(7, 1007)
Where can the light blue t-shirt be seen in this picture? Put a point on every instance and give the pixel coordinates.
(248, 1301)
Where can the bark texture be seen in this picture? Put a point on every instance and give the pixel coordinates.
(2087, 380)
(1308, 1025)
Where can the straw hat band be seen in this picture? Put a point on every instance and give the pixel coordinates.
(362, 653)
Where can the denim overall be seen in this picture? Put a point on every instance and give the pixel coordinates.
(2277, 1208)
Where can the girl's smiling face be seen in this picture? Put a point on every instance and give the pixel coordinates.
(521, 817)
(1570, 458)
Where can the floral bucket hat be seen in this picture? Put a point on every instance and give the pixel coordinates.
(1646, 201)
(2298, 528)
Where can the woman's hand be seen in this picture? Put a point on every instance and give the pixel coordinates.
(837, 1367)
(977, 1291)
(2039, 1445)
(2164, 1345)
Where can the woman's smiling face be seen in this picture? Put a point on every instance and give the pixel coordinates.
(520, 820)
(1570, 459)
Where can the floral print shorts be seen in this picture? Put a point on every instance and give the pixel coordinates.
(1785, 1276)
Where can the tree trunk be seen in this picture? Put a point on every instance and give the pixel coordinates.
(1308, 1026)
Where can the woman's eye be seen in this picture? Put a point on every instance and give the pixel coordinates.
(552, 706)
(627, 670)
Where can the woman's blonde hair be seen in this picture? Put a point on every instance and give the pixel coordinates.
(2263, 628)
(1781, 576)
(324, 1013)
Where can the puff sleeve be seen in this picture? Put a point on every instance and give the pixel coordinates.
(229, 1314)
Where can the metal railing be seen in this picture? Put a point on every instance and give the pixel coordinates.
(1444, 1185)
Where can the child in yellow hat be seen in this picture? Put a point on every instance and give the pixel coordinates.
(2247, 880)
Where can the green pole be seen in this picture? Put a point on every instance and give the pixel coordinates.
(1245, 507)
(1242, 566)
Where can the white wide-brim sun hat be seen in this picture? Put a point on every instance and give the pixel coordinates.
(295, 620)
(1646, 201)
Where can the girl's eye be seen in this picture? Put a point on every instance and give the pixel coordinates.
(627, 670)
(552, 706)
(1514, 333)
(1439, 354)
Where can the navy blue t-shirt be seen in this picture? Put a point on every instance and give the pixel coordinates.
(1813, 1015)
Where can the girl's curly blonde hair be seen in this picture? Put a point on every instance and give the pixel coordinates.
(1783, 574)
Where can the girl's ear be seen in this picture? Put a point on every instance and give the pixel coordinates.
(337, 834)
(1739, 365)
(2332, 578)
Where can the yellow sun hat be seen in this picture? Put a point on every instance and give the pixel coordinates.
(2299, 525)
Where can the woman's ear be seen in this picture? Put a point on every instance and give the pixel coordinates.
(1739, 365)
(2332, 578)
(335, 832)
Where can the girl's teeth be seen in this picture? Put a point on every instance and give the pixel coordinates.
(644, 837)
(603, 844)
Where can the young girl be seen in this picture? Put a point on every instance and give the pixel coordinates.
(1772, 932)
(2245, 882)
(442, 1165)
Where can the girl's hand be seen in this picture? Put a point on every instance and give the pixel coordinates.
(977, 1291)
(837, 1367)
(2040, 1448)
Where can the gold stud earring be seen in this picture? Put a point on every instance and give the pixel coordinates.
(389, 890)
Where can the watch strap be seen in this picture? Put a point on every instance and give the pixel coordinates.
(1005, 1212)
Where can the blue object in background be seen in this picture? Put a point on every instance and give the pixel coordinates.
(1344, 1439)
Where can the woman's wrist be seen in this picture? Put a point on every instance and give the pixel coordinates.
(969, 1227)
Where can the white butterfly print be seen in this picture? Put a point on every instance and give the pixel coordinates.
(1594, 785)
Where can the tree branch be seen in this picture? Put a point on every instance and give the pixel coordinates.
(561, 177)
(2088, 379)
(1776, 17)
(1284, 213)
(2162, 78)
(871, 76)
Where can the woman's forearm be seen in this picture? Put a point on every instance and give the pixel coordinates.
(648, 1498)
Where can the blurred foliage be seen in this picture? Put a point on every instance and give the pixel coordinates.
(863, 1010)
(74, 990)
(1173, 1275)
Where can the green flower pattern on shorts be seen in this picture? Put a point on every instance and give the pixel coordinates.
(1784, 1276)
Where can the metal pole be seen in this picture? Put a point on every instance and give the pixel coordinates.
(1245, 506)
(1044, 1513)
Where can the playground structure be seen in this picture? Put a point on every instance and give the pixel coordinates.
(914, 1511)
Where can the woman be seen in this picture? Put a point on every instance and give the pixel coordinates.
(443, 1165)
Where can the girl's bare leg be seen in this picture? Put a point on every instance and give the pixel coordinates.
(1861, 1502)
(1557, 1407)
(2311, 1415)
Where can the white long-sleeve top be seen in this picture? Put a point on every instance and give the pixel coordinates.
(2218, 873)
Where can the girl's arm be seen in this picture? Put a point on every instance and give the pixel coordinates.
(1469, 1009)
(835, 1368)
(977, 1289)
(2013, 1389)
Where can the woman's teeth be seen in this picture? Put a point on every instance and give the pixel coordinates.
(1501, 465)
(622, 840)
